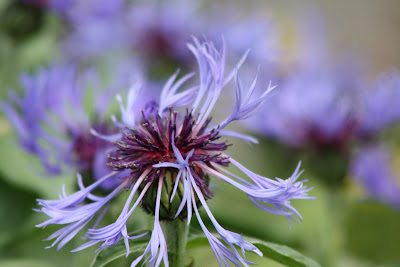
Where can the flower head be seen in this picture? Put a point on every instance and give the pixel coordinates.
(52, 122)
(312, 107)
(379, 105)
(168, 157)
(152, 33)
(160, 30)
(371, 167)
(92, 23)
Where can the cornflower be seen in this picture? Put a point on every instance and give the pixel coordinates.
(92, 23)
(372, 168)
(168, 157)
(52, 123)
(379, 107)
(371, 163)
(313, 107)
(159, 31)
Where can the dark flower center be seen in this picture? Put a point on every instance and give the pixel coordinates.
(150, 143)
(341, 140)
(156, 44)
(86, 146)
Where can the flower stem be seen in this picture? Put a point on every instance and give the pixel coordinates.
(337, 207)
(176, 233)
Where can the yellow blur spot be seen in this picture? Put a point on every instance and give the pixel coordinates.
(4, 126)
(396, 164)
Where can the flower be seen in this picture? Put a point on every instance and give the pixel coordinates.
(262, 40)
(96, 28)
(371, 167)
(168, 157)
(148, 32)
(154, 33)
(379, 107)
(159, 31)
(52, 122)
(312, 107)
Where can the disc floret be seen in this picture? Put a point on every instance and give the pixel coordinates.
(153, 142)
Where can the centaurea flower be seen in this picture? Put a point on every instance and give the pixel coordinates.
(312, 107)
(158, 31)
(379, 107)
(372, 168)
(149, 32)
(52, 122)
(95, 28)
(262, 40)
(168, 157)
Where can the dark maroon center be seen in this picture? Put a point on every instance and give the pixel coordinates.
(340, 140)
(86, 147)
(156, 44)
(150, 143)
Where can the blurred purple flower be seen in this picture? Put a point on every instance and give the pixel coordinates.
(180, 148)
(52, 122)
(153, 33)
(160, 30)
(96, 28)
(372, 168)
(60, 6)
(234, 26)
(147, 31)
(379, 105)
(311, 107)
(76, 10)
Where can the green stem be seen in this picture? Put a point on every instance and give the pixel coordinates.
(176, 233)
(337, 207)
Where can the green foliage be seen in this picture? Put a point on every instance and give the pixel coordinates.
(13, 216)
(278, 253)
(24, 171)
(372, 232)
(196, 257)
(24, 263)
(110, 254)
(283, 254)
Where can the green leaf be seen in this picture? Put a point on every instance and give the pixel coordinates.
(110, 254)
(279, 253)
(283, 254)
(370, 224)
(24, 262)
(22, 170)
(15, 209)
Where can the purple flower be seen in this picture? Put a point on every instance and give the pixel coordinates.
(262, 39)
(154, 33)
(151, 33)
(172, 151)
(372, 168)
(52, 123)
(379, 105)
(160, 30)
(96, 28)
(76, 10)
(311, 107)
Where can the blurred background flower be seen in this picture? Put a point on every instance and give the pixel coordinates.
(372, 168)
(52, 120)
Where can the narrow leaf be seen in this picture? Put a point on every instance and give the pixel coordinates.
(279, 253)
(110, 254)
